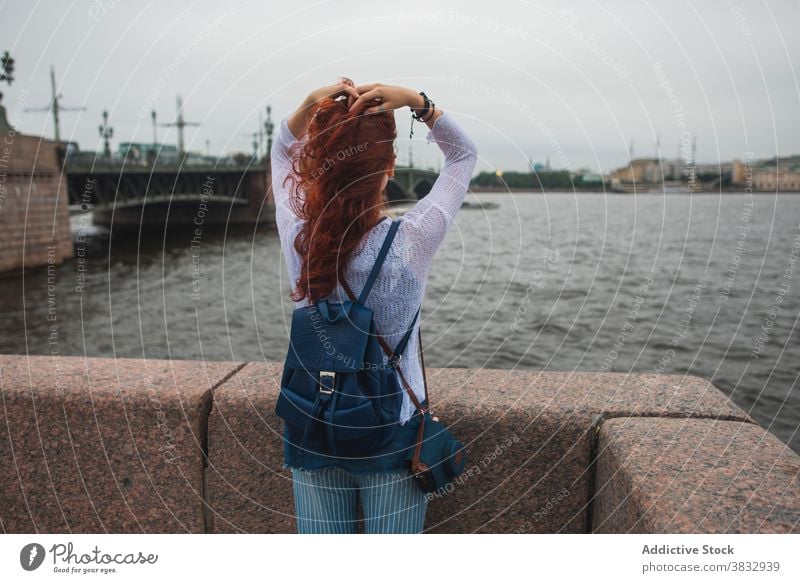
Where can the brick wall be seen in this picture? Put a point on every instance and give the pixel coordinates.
(34, 214)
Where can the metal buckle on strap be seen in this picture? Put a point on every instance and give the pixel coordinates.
(326, 374)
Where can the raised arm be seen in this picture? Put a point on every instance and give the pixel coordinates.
(427, 222)
(281, 166)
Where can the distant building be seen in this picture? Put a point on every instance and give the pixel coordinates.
(720, 169)
(586, 176)
(771, 175)
(673, 168)
(740, 174)
(145, 151)
(776, 180)
(639, 170)
(592, 178)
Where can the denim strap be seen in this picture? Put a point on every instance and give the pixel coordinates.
(401, 346)
(373, 275)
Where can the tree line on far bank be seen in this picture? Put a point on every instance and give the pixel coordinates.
(534, 180)
(564, 179)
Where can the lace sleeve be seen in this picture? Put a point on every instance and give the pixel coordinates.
(426, 224)
(281, 166)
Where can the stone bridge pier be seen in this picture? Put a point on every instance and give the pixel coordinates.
(34, 213)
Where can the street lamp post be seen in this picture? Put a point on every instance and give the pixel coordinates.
(7, 68)
(54, 106)
(106, 132)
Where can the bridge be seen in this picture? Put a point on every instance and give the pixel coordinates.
(410, 184)
(130, 195)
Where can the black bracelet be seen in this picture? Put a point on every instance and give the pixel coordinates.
(419, 113)
(419, 116)
(433, 110)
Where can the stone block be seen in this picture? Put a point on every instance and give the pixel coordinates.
(248, 491)
(694, 476)
(96, 445)
(528, 437)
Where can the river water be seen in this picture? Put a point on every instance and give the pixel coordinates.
(704, 285)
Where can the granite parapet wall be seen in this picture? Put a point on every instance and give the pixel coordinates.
(126, 445)
(104, 445)
(530, 439)
(694, 476)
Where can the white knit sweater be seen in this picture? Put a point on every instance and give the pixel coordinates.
(400, 287)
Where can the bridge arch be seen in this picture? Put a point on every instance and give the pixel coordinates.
(422, 187)
(395, 192)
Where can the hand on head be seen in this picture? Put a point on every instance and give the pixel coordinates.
(368, 98)
(344, 87)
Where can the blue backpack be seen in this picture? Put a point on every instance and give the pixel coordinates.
(337, 396)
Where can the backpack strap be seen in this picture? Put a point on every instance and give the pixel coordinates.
(401, 346)
(418, 407)
(373, 275)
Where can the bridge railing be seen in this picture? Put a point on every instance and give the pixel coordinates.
(110, 183)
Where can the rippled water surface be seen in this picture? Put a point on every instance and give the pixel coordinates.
(702, 285)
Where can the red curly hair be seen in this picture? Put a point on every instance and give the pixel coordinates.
(337, 179)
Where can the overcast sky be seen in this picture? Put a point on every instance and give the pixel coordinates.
(526, 79)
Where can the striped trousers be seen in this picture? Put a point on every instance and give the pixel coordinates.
(326, 501)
